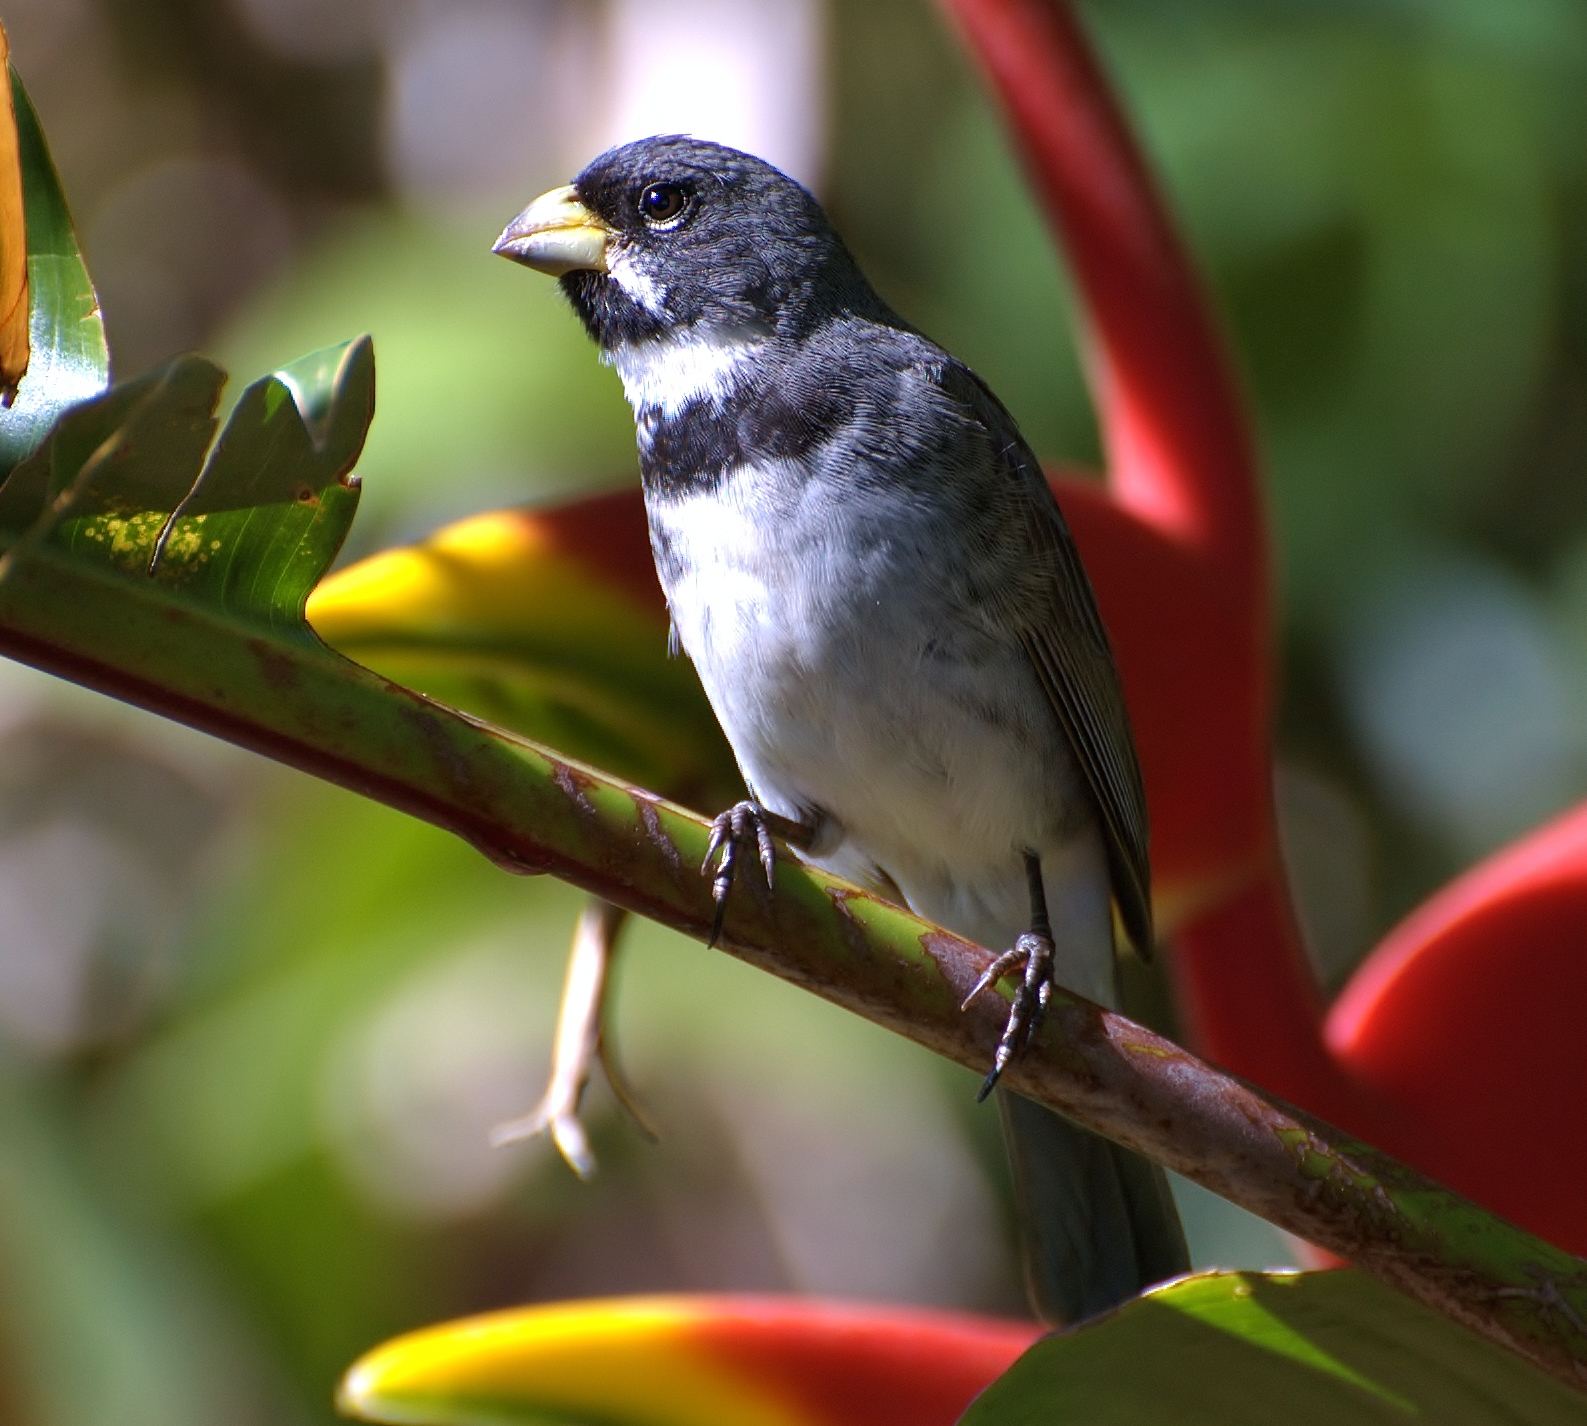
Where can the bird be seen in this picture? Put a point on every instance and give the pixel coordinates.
(865, 564)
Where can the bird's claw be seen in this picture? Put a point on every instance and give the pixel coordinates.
(1035, 951)
(729, 832)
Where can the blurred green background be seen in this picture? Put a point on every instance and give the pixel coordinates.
(254, 1031)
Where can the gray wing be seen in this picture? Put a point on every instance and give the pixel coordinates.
(1052, 605)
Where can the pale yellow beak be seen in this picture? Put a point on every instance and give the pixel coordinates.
(556, 234)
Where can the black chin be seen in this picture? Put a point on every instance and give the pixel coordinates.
(609, 314)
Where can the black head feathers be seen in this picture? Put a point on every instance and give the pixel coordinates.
(706, 238)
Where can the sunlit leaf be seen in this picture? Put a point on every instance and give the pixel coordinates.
(122, 484)
(286, 450)
(1308, 1349)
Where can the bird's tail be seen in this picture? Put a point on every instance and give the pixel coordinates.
(1097, 1221)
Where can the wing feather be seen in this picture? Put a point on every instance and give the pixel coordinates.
(1055, 612)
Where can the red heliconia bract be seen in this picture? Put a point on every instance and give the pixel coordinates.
(1467, 1020)
(1457, 1045)
(709, 1360)
(1177, 548)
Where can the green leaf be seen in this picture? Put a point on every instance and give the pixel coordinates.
(272, 507)
(70, 361)
(1307, 1349)
(122, 484)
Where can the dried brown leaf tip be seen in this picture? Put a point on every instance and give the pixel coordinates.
(14, 304)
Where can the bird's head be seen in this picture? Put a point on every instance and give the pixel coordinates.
(672, 235)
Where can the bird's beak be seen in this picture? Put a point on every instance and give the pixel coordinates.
(556, 234)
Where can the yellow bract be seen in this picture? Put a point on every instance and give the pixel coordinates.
(623, 1361)
(499, 571)
(516, 619)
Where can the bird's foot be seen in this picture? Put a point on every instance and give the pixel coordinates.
(742, 824)
(1033, 950)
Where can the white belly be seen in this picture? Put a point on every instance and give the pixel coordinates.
(820, 640)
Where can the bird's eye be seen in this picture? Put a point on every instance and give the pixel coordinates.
(662, 202)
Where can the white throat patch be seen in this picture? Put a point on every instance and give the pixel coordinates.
(640, 285)
(664, 374)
